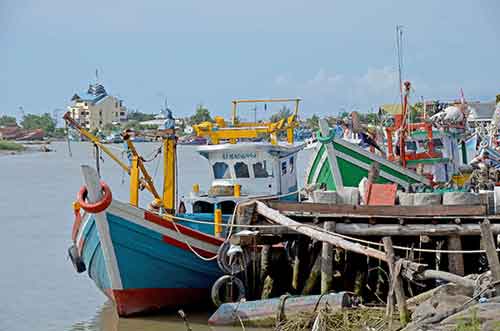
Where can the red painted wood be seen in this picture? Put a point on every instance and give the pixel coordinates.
(182, 245)
(135, 301)
(156, 219)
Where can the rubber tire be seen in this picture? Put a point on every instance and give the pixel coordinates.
(215, 292)
(76, 259)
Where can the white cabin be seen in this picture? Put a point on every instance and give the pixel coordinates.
(261, 169)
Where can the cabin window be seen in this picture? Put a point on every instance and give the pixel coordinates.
(227, 207)
(411, 146)
(260, 169)
(438, 143)
(221, 170)
(241, 170)
(203, 207)
(283, 168)
(292, 165)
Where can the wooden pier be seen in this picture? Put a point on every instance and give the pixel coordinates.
(373, 251)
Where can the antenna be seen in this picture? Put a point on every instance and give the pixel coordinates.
(97, 76)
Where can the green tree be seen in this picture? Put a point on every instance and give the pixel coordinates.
(6, 120)
(202, 115)
(44, 122)
(312, 122)
(284, 112)
(138, 116)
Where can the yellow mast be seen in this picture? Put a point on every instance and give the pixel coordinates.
(137, 165)
(169, 175)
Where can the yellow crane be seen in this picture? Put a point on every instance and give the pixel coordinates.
(220, 130)
(167, 200)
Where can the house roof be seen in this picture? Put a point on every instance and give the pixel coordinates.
(94, 94)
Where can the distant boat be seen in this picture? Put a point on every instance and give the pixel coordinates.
(193, 140)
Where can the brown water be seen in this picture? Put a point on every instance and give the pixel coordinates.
(39, 288)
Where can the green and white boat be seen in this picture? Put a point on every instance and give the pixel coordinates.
(338, 163)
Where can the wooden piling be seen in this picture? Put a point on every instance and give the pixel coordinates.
(396, 283)
(314, 275)
(327, 261)
(491, 252)
(455, 260)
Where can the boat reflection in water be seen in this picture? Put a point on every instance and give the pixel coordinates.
(106, 319)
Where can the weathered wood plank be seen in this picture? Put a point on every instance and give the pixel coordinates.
(375, 211)
(396, 281)
(381, 230)
(275, 216)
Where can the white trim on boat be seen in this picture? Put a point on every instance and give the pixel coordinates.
(317, 171)
(383, 161)
(108, 252)
(366, 166)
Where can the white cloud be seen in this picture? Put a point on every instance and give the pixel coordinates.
(329, 89)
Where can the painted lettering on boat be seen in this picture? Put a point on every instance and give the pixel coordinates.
(239, 156)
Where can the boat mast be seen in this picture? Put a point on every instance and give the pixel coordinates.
(399, 49)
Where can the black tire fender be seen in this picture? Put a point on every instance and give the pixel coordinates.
(76, 259)
(222, 281)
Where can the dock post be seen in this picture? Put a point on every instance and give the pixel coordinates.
(134, 181)
(396, 284)
(491, 251)
(455, 260)
(327, 261)
(313, 276)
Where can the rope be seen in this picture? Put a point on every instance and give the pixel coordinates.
(363, 241)
(191, 248)
(425, 250)
(230, 226)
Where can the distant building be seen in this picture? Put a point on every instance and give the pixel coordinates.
(481, 112)
(95, 108)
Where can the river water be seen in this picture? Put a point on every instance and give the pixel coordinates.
(39, 288)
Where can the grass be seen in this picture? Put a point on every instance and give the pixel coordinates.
(6, 145)
(470, 324)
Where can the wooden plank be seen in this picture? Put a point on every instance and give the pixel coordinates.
(491, 251)
(397, 282)
(276, 217)
(364, 230)
(375, 211)
(384, 229)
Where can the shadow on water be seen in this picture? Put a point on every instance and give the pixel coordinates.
(106, 319)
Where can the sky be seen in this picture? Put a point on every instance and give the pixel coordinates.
(336, 55)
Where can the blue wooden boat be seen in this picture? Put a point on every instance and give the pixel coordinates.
(144, 262)
(165, 256)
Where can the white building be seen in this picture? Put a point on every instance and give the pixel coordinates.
(95, 108)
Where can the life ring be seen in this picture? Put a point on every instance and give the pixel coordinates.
(98, 206)
(221, 283)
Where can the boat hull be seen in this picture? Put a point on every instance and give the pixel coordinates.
(352, 164)
(143, 262)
